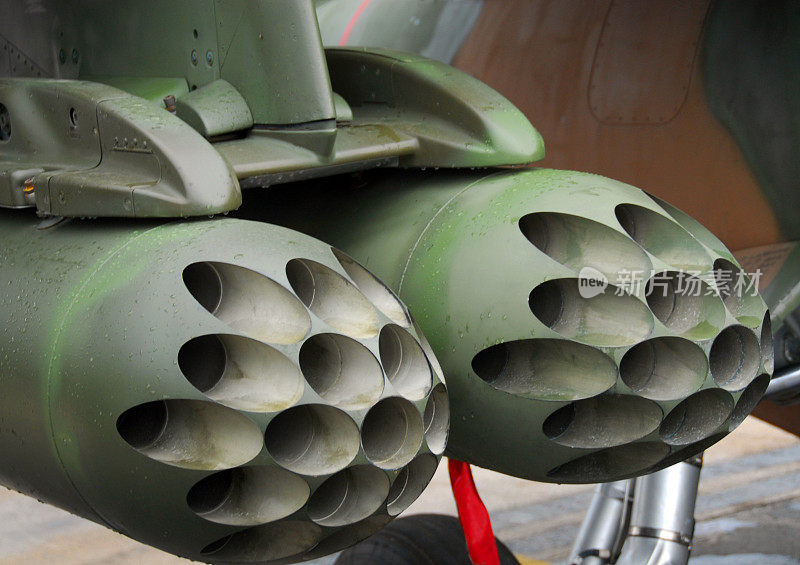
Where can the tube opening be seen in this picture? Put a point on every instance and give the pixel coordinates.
(202, 361)
(610, 464)
(685, 304)
(767, 345)
(204, 283)
(279, 540)
(349, 496)
(611, 318)
(392, 433)
(143, 425)
(738, 294)
(664, 368)
(341, 370)
(603, 421)
(578, 242)
(735, 357)
(662, 237)
(411, 482)
(406, 365)
(332, 298)
(241, 372)
(546, 369)
(312, 439)
(248, 496)
(697, 417)
(191, 434)
(248, 302)
(436, 419)
(376, 292)
(748, 400)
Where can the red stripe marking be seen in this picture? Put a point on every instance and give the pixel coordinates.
(352, 22)
(473, 515)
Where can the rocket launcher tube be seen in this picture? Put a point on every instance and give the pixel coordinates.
(181, 383)
(584, 329)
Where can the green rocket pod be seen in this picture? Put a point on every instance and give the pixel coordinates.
(586, 334)
(224, 390)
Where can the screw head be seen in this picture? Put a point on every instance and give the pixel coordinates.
(194, 57)
(209, 58)
(169, 103)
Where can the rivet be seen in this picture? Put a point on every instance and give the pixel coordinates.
(194, 57)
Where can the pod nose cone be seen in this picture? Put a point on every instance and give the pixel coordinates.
(588, 331)
(588, 315)
(261, 395)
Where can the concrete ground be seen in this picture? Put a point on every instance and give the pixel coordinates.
(748, 513)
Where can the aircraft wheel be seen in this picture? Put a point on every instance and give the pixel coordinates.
(415, 540)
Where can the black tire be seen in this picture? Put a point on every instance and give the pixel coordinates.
(422, 539)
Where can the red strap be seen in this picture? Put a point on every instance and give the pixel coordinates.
(473, 515)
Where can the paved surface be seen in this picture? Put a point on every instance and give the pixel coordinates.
(748, 513)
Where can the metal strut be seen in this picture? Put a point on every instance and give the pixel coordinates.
(651, 518)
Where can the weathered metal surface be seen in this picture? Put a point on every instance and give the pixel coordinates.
(546, 383)
(102, 152)
(215, 109)
(255, 393)
(251, 76)
(689, 102)
(458, 121)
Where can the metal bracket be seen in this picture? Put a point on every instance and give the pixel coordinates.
(86, 149)
(458, 120)
(667, 535)
(784, 388)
